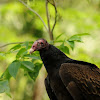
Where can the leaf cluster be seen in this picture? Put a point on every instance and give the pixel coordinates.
(31, 64)
(69, 43)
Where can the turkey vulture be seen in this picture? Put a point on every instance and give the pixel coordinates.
(67, 79)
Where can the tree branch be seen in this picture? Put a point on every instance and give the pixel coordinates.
(55, 16)
(48, 20)
(50, 1)
(54, 4)
(35, 13)
(10, 44)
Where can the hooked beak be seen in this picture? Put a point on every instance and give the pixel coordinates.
(31, 50)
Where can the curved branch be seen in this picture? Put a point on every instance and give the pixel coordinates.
(55, 16)
(55, 21)
(35, 13)
(48, 20)
(10, 44)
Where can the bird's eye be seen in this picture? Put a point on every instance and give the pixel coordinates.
(38, 43)
(41, 42)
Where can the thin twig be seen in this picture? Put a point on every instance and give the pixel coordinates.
(54, 4)
(55, 21)
(48, 20)
(55, 16)
(50, 2)
(10, 44)
(35, 13)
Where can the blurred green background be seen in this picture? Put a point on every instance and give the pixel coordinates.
(18, 24)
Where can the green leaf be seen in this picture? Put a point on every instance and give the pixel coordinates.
(26, 44)
(35, 73)
(13, 68)
(8, 94)
(29, 65)
(5, 75)
(4, 86)
(21, 53)
(31, 42)
(82, 34)
(63, 48)
(75, 38)
(15, 47)
(38, 66)
(32, 56)
(59, 36)
(71, 44)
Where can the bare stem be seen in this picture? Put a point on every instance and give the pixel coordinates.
(55, 16)
(35, 13)
(10, 44)
(48, 20)
(55, 21)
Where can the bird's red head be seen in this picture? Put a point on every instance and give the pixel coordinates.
(38, 45)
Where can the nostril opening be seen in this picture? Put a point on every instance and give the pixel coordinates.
(33, 46)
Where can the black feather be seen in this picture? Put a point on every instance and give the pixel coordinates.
(63, 71)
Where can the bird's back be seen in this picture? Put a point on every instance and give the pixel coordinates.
(87, 79)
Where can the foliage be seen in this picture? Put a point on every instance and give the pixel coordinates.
(4, 87)
(31, 66)
(23, 25)
(66, 44)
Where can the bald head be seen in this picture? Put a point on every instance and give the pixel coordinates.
(39, 45)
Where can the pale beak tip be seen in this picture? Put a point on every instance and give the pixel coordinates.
(31, 51)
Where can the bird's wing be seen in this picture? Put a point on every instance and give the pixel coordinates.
(49, 90)
(82, 78)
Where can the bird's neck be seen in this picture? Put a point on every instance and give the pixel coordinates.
(53, 58)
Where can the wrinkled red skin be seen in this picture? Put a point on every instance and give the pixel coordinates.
(38, 45)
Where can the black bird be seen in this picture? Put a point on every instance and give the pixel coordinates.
(67, 79)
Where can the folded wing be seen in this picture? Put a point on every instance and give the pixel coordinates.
(82, 81)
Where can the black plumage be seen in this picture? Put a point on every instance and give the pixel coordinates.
(49, 90)
(68, 79)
